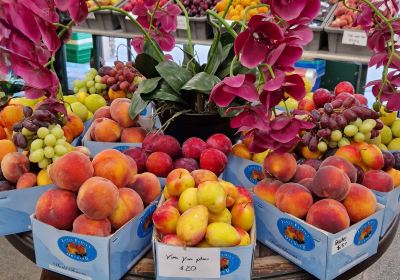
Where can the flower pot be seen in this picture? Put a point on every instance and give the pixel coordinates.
(199, 125)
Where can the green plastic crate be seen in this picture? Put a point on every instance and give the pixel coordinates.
(83, 47)
(79, 56)
(80, 35)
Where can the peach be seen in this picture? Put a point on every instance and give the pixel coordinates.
(294, 199)
(133, 135)
(166, 144)
(203, 175)
(11, 114)
(139, 156)
(282, 166)
(119, 110)
(243, 215)
(306, 105)
(87, 226)
(220, 142)
(14, 165)
(307, 182)
(308, 154)
(266, 190)
(302, 172)
(6, 147)
(187, 199)
(350, 153)
(343, 164)
(57, 207)
(159, 163)
(193, 147)
(395, 174)
(315, 163)
(179, 180)
(231, 192)
(115, 166)
(172, 239)
(378, 180)
(129, 206)
(213, 160)
(212, 195)
(360, 203)
(329, 215)
(245, 237)
(147, 186)
(187, 163)
(165, 219)
(174, 201)
(331, 182)
(166, 194)
(79, 170)
(244, 196)
(3, 134)
(241, 150)
(106, 130)
(103, 112)
(92, 128)
(98, 198)
(74, 127)
(27, 180)
(372, 157)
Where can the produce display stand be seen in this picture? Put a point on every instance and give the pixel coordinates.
(267, 263)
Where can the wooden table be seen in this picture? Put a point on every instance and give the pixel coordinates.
(267, 263)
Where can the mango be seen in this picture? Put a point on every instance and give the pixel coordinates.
(192, 225)
(223, 217)
(188, 199)
(222, 235)
(212, 195)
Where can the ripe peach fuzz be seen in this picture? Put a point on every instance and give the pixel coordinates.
(245, 237)
(147, 186)
(231, 192)
(172, 239)
(350, 153)
(14, 165)
(105, 130)
(244, 196)
(243, 215)
(133, 135)
(159, 163)
(74, 127)
(167, 195)
(6, 147)
(87, 226)
(360, 203)
(71, 171)
(165, 219)
(10, 115)
(213, 160)
(331, 182)
(27, 180)
(282, 166)
(57, 207)
(303, 171)
(115, 166)
(395, 174)
(378, 180)
(179, 180)
(203, 175)
(372, 157)
(174, 201)
(307, 182)
(346, 166)
(103, 112)
(329, 215)
(266, 190)
(241, 150)
(294, 199)
(119, 110)
(98, 198)
(129, 206)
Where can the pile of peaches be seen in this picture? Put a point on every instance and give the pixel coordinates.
(202, 211)
(95, 197)
(328, 196)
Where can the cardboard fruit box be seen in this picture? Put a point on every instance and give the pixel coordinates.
(323, 254)
(91, 257)
(16, 206)
(243, 172)
(175, 262)
(391, 200)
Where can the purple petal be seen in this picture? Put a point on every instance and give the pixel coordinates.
(296, 89)
(173, 10)
(310, 11)
(280, 122)
(220, 96)
(236, 81)
(274, 54)
(394, 102)
(253, 53)
(275, 83)
(288, 9)
(62, 4)
(23, 20)
(78, 10)
(377, 59)
(303, 32)
(168, 23)
(138, 44)
(33, 93)
(49, 35)
(166, 41)
(290, 55)
(241, 40)
(285, 134)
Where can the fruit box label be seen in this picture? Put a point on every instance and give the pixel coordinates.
(181, 25)
(243, 172)
(16, 206)
(357, 38)
(91, 257)
(332, 254)
(391, 200)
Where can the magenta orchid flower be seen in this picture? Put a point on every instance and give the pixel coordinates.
(388, 95)
(295, 11)
(230, 87)
(168, 17)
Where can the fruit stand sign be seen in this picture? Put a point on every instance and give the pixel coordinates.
(354, 38)
(174, 261)
(181, 23)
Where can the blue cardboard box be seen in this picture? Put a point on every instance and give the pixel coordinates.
(90, 257)
(323, 254)
(16, 206)
(243, 172)
(391, 200)
(229, 262)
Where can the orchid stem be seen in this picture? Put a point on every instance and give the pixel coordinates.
(350, 8)
(152, 15)
(286, 108)
(223, 22)
(50, 62)
(232, 65)
(188, 31)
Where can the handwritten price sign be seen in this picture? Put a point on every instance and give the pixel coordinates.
(357, 38)
(174, 261)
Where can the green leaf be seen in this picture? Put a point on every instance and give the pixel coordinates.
(146, 65)
(173, 74)
(226, 38)
(148, 85)
(165, 93)
(189, 61)
(222, 112)
(148, 49)
(238, 68)
(137, 106)
(202, 82)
